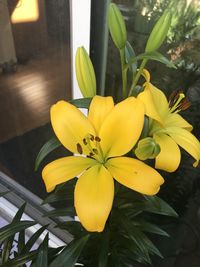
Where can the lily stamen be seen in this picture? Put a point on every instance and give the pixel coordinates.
(93, 144)
(79, 149)
(175, 107)
(98, 139)
(185, 104)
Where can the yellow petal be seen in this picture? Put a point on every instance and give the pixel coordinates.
(146, 75)
(169, 157)
(135, 174)
(122, 127)
(94, 194)
(175, 120)
(155, 102)
(70, 126)
(100, 107)
(64, 169)
(160, 101)
(150, 107)
(187, 141)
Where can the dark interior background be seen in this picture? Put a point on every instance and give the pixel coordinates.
(29, 85)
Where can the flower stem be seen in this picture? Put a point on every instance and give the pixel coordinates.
(124, 73)
(144, 61)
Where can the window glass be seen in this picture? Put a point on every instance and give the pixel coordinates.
(34, 74)
(182, 46)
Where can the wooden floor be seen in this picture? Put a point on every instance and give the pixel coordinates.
(27, 95)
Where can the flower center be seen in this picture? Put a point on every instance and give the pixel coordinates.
(178, 102)
(93, 146)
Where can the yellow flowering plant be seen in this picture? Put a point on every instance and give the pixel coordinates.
(112, 187)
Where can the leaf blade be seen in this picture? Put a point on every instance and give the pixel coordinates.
(152, 56)
(70, 254)
(81, 102)
(9, 230)
(42, 257)
(47, 148)
(157, 205)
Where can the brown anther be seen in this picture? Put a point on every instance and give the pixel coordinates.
(174, 96)
(95, 151)
(79, 148)
(98, 139)
(185, 104)
(84, 141)
(91, 154)
(91, 137)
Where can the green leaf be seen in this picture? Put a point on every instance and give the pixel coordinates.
(73, 227)
(7, 247)
(21, 241)
(54, 197)
(42, 257)
(151, 228)
(155, 204)
(70, 211)
(12, 229)
(81, 102)
(152, 56)
(31, 241)
(62, 192)
(104, 248)
(150, 246)
(69, 256)
(115, 261)
(19, 214)
(130, 54)
(54, 252)
(48, 147)
(143, 243)
(133, 234)
(8, 243)
(20, 260)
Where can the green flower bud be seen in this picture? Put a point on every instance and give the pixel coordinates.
(147, 148)
(117, 26)
(159, 32)
(85, 73)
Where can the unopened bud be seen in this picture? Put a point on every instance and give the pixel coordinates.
(85, 73)
(147, 148)
(159, 32)
(117, 26)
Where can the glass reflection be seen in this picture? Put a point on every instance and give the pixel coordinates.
(34, 74)
(25, 10)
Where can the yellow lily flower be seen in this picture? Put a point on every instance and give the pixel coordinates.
(168, 128)
(103, 137)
